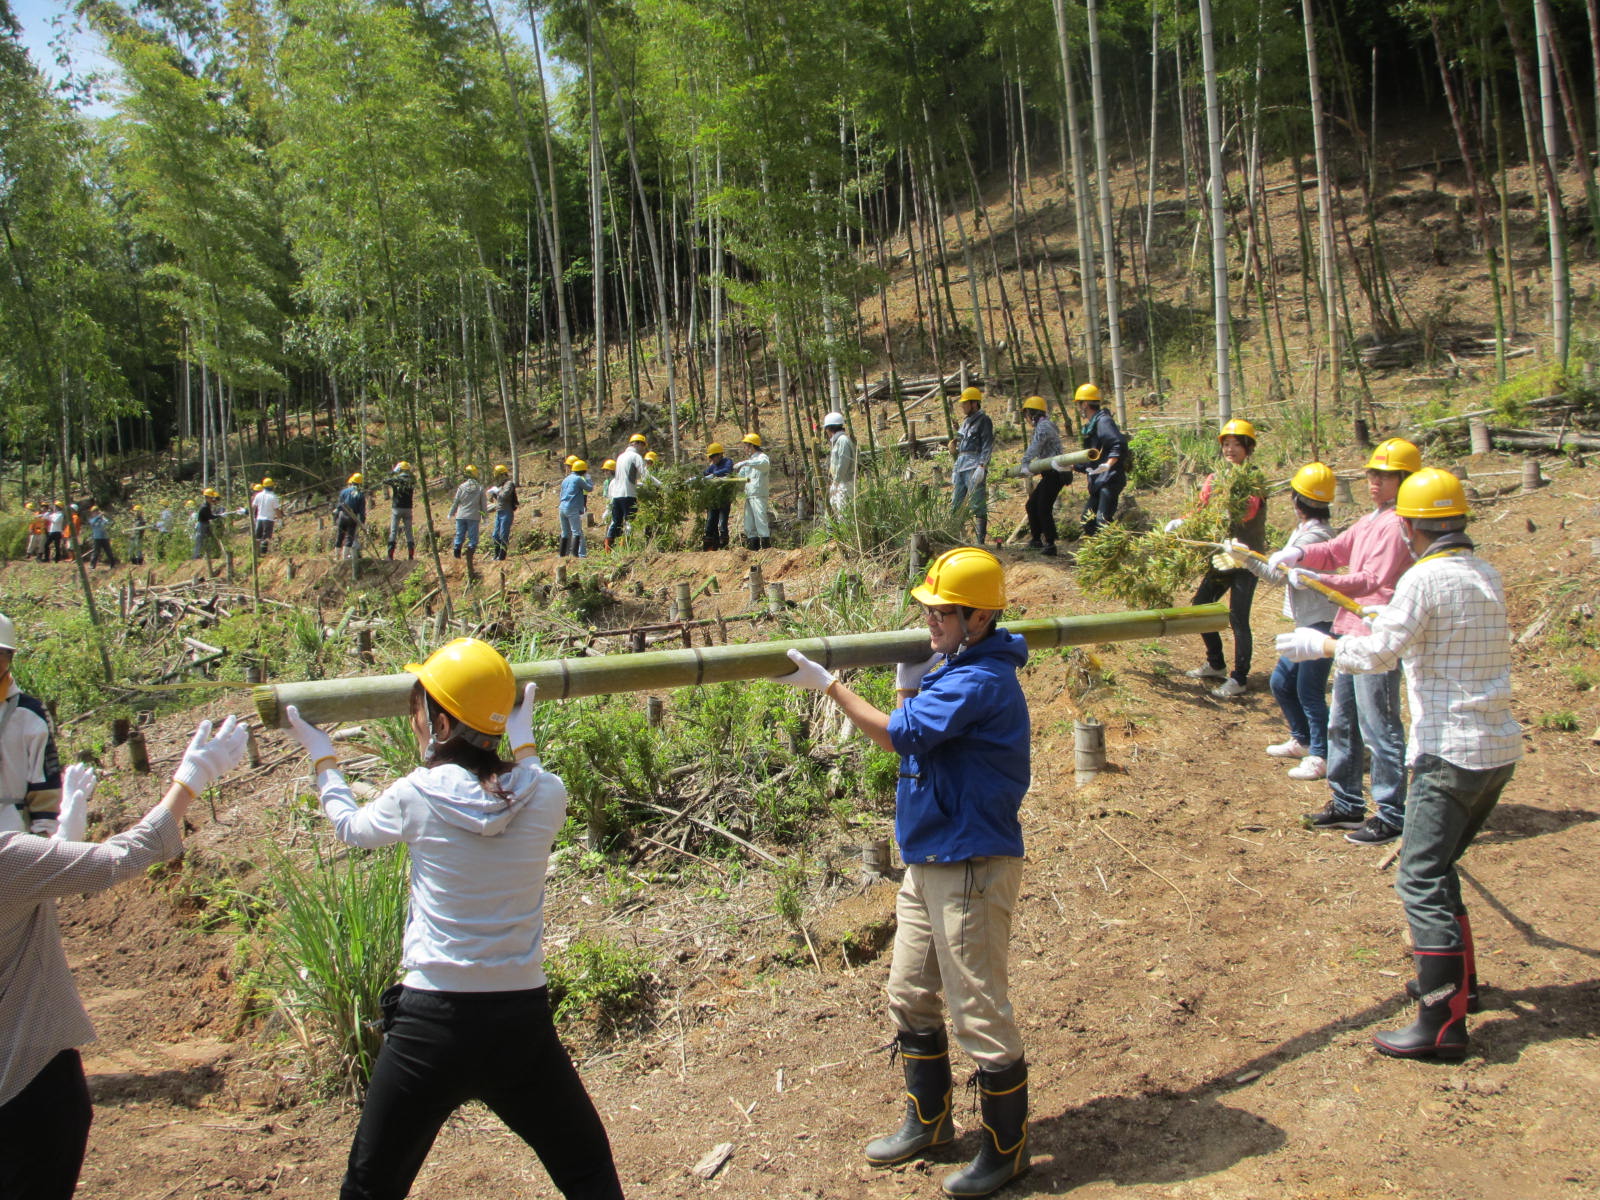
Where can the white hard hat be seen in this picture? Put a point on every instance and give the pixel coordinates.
(8, 633)
(833, 419)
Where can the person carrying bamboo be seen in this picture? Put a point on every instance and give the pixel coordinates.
(972, 446)
(505, 509)
(265, 507)
(961, 729)
(1237, 440)
(470, 1019)
(1365, 713)
(630, 472)
(756, 471)
(575, 489)
(1108, 474)
(349, 515)
(718, 466)
(402, 485)
(1446, 622)
(1301, 688)
(45, 1108)
(1043, 442)
(466, 510)
(841, 465)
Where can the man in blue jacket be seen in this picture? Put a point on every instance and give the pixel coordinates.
(961, 729)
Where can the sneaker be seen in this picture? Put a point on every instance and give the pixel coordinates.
(1290, 749)
(1332, 818)
(1207, 672)
(1311, 767)
(1228, 689)
(1049, 551)
(1376, 832)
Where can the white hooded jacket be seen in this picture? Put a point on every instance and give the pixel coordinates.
(478, 865)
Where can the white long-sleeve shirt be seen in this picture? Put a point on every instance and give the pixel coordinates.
(842, 460)
(1447, 623)
(631, 471)
(756, 471)
(478, 863)
(1303, 606)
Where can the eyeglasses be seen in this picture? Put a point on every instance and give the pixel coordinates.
(941, 614)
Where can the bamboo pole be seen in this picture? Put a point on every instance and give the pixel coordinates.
(1339, 598)
(1063, 462)
(364, 698)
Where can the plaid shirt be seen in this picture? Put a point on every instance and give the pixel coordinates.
(1447, 623)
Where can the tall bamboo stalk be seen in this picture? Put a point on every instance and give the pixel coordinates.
(1108, 241)
(364, 698)
(1554, 216)
(1219, 234)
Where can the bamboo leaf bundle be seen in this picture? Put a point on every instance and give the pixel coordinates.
(362, 698)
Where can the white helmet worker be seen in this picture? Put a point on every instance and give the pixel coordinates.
(833, 421)
(8, 633)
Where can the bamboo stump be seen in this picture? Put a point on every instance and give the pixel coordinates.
(138, 754)
(1532, 479)
(775, 594)
(654, 709)
(1478, 432)
(684, 601)
(757, 586)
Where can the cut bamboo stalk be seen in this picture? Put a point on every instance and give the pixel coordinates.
(1063, 462)
(363, 698)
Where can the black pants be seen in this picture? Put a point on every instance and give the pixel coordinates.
(441, 1049)
(43, 1133)
(717, 528)
(1101, 508)
(1240, 588)
(53, 545)
(1042, 505)
(101, 548)
(621, 509)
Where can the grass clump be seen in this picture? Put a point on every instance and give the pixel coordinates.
(599, 979)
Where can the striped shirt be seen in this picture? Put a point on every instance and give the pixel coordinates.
(40, 1013)
(1447, 623)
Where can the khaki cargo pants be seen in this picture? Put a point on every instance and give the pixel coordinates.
(954, 926)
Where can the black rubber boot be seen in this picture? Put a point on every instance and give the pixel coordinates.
(925, 1058)
(983, 529)
(458, 551)
(391, 551)
(751, 543)
(411, 553)
(561, 550)
(470, 554)
(1440, 1030)
(1003, 1148)
(1474, 1004)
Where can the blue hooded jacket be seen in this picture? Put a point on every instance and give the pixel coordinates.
(964, 746)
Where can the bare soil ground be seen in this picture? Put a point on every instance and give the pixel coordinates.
(1197, 977)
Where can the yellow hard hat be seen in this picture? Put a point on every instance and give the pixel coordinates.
(355, 479)
(1237, 428)
(501, 469)
(402, 465)
(1315, 482)
(714, 449)
(570, 459)
(94, 508)
(752, 439)
(1087, 393)
(971, 396)
(471, 681)
(211, 494)
(638, 437)
(1431, 492)
(268, 482)
(967, 576)
(1396, 454)
(257, 487)
(138, 508)
(186, 504)
(610, 464)
(652, 456)
(471, 470)
(1033, 404)
(579, 466)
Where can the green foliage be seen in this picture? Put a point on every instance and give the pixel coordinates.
(1155, 459)
(600, 980)
(1561, 721)
(331, 950)
(890, 506)
(1511, 397)
(60, 659)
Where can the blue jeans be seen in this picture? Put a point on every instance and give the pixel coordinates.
(1301, 690)
(1366, 712)
(502, 528)
(572, 531)
(1448, 806)
(964, 491)
(467, 533)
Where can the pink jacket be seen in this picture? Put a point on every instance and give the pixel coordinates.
(1375, 554)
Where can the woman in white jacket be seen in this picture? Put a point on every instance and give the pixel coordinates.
(470, 1018)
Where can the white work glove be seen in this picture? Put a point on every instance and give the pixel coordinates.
(1237, 551)
(1284, 559)
(1023, 472)
(1173, 525)
(77, 785)
(1097, 472)
(1302, 644)
(1372, 612)
(209, 758)
(1299, 577)
(980, 477)
(908, 676)
(312, 740)
(807, 674)
(1223, 562)
(519, 727)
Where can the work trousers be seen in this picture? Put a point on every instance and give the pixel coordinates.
(43, 1132)
(621, 509)
(1446, 807)
(572, 531)
(1301, 689)
(965, 490)
(1101, 508)
(400, 518)
(263, 534)
(1240, 588)
(467, 533)
(345, 533)
(502, 531)
(1042, 505)
(442, 1049)
(101, 548)
(757, 517)
(953, 928)
(717, 527)
(1366, 714)
(54, 546)
(839, 497)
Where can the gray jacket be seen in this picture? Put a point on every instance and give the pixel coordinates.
(1303, 606)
